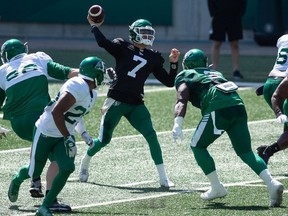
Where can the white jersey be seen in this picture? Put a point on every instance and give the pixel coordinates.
(23, 67)
(84, 103)
(281, 63)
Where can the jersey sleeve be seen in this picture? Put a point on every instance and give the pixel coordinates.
(58, 71)
(111, 47)
(166, 78)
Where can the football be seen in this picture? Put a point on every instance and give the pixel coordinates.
(96, 13)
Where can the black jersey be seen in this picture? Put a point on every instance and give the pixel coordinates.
(133, 67)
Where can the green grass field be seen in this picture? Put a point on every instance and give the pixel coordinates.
(123, 179)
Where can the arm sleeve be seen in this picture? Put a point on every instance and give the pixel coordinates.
(163, 76)
(102, 41)
(58, 71)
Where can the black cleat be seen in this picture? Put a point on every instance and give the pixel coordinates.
(36, 189)
(59, 207)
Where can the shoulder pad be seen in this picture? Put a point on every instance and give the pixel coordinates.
(43, 56)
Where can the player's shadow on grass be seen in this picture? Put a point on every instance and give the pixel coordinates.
(18, 208)
(218, 205)
(138, 190)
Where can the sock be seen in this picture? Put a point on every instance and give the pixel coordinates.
(161, 172)
(266, 176)
(86, 159)
(47, 191)
(213, 178)
(36, 179)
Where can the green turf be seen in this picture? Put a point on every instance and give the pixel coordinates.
(254, 68)
(127, 160)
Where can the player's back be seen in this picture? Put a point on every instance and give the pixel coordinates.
(25, 83)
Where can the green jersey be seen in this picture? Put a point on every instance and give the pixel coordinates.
(204, 93)
(24, 83)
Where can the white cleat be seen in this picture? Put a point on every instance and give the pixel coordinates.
(166, 183)
(84, 174)
(276, 192)
(214, 193)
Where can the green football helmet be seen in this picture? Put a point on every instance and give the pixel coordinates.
(141, 32)
(92, 68)
(194, 58)
(12, 48)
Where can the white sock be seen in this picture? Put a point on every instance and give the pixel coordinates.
(213, 178)
(266, 177)
(86, 160)
(161, 172)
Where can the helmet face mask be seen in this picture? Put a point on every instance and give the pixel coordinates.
(12, 48)
(92, 68)
(194, 58)
(141, 32)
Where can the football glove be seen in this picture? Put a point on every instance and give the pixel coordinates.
(281, 119)
(87, 138)
(177, 128)
(3, 132)
(71, 149)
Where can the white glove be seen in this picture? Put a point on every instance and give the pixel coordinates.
(87, 138)
(177, 128)
(3, 132)
(71, 149)
(281, 119)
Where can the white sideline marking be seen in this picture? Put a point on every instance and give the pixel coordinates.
(206, 185)
(131, 136)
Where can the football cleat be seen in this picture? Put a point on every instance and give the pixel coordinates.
(43, 211)
(59, 207)
(262, 152)
(36, 189)
(276, 192)
(214, 193)
(166, 183)
(13, 191)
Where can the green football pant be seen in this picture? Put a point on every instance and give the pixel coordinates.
(139, 117)
(269, 88)
(41, 147)
(233, 120)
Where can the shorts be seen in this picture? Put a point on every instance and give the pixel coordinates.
(221, 26)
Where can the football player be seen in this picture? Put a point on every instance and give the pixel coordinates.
(24, 88)
(54, 130)
(125, 98)
(275, 77)
(222, 110)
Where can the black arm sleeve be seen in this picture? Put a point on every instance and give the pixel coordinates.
(103, 41)
(167, 78)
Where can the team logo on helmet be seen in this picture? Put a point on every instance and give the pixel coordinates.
(92, 68)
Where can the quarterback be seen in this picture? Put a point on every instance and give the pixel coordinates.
(125, 98)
